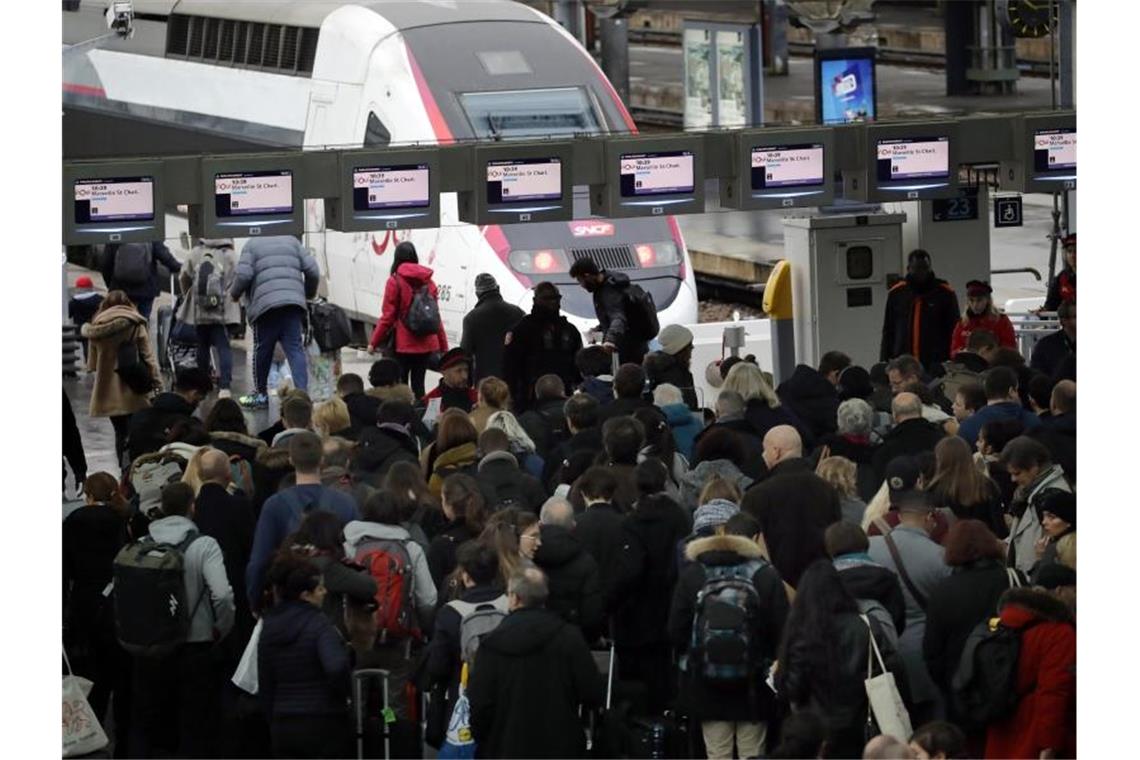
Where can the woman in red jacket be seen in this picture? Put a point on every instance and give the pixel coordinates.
(412, 351)
(1045, 723)
(981, 315)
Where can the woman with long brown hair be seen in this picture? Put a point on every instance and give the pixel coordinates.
(117, 322)
(959, 486)
(453, 450)
(465, 510)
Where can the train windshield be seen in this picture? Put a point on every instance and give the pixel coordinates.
(518, 114)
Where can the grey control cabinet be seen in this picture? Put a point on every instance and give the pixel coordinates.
(839, 281)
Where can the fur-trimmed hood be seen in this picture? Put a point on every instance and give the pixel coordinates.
(274, 459)
(113, 320)
(745, 547)
(244, 440)
(1022, 606)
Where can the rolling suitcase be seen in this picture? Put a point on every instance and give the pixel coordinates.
(371, 719)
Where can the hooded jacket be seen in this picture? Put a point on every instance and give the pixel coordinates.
(274, 272)
(610, 307)
(399, 291)
(149, 427)
(380, 447)
(220, 254)
(812, 398)
(358, 533)
(504, 484)
(463, 458)
(573, 578)
(106, 332)
(204, 572)
(919, 321)
(538, 344)
(866, 579)
(303, 663)
(684, 425)
(1024, 534)
(695, 480)
(484, 329)
(534, 672)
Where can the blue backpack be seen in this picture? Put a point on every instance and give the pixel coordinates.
(722, 648)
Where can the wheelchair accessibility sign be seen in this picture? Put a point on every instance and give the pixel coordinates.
(1007, 211)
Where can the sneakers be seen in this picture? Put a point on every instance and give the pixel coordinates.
(255, 401)
(224, 393)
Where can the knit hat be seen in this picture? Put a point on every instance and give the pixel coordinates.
(384, 372)
(83, 281)
(855, 382)
(485, 283)
(902, 482)
(715, 512)
(978, 288)
(1069, 239)
(674, 339)
(1052, 576)
(1060, 503)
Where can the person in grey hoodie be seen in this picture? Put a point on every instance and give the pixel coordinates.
(206, 277)
(186, 682)
(1030, 466)
(278, 275)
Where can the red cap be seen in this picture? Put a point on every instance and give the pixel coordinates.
(84, 282)
(975, 288)
(1070, 239)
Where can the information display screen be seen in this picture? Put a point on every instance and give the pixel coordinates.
(847, 89)
(783, 166)
(390, 187)
(120, 199)
(1054, 150)
(524, 180)
(656, 173)
(911, 159)
(253, 193)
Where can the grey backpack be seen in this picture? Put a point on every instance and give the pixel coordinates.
(211, 291)
(477, 621)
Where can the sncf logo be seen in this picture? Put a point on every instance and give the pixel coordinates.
(591, 229)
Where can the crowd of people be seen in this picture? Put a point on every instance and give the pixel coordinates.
(545, 557)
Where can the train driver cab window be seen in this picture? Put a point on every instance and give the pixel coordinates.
(376, 135)
(519, 114)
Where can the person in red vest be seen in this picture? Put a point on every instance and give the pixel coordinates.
(1064, 285)
(981, 314)
(920, 315)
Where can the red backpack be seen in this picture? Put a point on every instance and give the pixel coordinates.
(388, 562)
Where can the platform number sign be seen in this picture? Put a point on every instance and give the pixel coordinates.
(1007, 211)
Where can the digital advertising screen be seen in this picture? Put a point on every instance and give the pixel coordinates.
(1054, 150)
(912, 159)
(524, 180)
(121, 199)
(390, 187)
(260, 193)
(650, 174)
(787, 166)
(847, 89)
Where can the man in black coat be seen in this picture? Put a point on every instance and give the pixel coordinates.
(910, 435)
(812, 395)
(141, 293)
(362, 408)
(920, 315)
(729, 410)
(486, 326)
(629, 385)
(793, 504)
(1051, 351)
(1058, 432)
(584, 431)
(545, 421)
(388, 441)
(571, 571)
(503, 483)
(542, 342)
(599, 525)
(149, 427)
(535, 673)
(612, 309)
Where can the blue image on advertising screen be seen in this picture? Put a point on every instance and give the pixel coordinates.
(847, 90)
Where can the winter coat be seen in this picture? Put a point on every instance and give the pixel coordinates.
(150, 427)
(159, 254)
(919, 321)
(661, 368)
(229, 520)
(399, 291)
(610, 306)
(1046, 683)
(462, 458)
(362, 410)
(220, 254)
(380, 447)
(343, 581)
(274, 272)
(1026, 530)
(1062, 288)
(534, 673)
(451, 398)
(545, 423)
(503, 484)
(684, 426)
(303, 663)
(622, 407)
(485, 329)
(708, 702)
(236, 444)
(1059, 435)
(752, 466)
(588, 440)
(794, 507)
(991, 510)
(598, 529)
(269, 470)
(866, 579)
(697, 478)
(640, 589)
(601, 388)
(92, 537)
(573, 578)
(444, 659)
(1051, 352)
(358, 533)
(812, 398)
(957, 603)
(998, 324)
(763, 418)
(1006, 410)
(441, 553)
(397, 392)
(110, 328)
(203, 572)
(907, 438)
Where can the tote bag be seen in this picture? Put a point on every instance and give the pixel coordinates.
(458, 744)
(245, 676)
(883, 697)
(82, 733)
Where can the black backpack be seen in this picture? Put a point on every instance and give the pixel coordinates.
(422, 317)
(329, 326)
(641, 314)
(151, 616)
(722, 645)
(133, 264)
(983, 687)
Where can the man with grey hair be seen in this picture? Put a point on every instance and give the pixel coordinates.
(855, 440)
(572, 573)
(910, 435)
(535, 673)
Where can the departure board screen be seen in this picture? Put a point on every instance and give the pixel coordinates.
(911, 159)
(390, 187)
(261, 193)
(524, 180)
(119, 199)
(783, 166)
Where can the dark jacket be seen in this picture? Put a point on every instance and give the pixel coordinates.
(344, 581)
(1059, 435)
(451, 398)
(909, 437)
(443, 655)
(601, 390)
(229, 519)
(159, 254)
(640, 589)
(599, 531)
(540, 344)
(362, 410)
(866, 579)
(662, 368)
(1062, 288)
(705, 701)
(92, 536)
(504, 484)
(441, 552)
(73, 442)
(589, 440)
(862, 453)
(610, 306)
(812, 398)
(622, 407)
(150, 426)
(794, 507)
(1006, 410)
(380, 447)
(484, 329)
(920, 322)
(990, 510)
(534, 673)
(545, 423)
(763, 418)
(303, 663)
(1051, 351)
(573, 578)
(752, 466)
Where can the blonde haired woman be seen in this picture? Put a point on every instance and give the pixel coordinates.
(839, 473)
(981, 314)
(331, 418)
(494, 396)
(521, 444)
(762, 408)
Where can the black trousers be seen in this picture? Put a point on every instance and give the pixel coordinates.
(121, 423)
(176, 701)
(413, 367)
(312, 736)
(651, 665)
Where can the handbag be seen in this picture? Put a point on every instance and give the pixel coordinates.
(883, 699)
(245, 676)
(130, 367)
(82, 733)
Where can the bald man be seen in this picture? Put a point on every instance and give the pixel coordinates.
(572, 573)
(884, 747)
(910, 435)
(793, 504)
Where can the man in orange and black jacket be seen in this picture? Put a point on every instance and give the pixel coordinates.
(920, 315)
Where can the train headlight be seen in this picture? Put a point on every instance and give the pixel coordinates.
(544, 261)
(661, 254)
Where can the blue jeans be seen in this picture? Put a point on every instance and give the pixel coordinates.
(216, 336)
(283, 325)
(144, 305)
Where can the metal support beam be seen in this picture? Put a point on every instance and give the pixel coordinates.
(1068, 24)
(615, 54)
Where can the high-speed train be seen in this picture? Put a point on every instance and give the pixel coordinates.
(203, 76)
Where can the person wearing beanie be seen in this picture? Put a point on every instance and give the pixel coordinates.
(541, 343)
(486, 326)
(82, 306)
(981, 314)
(672, 363)
(1057, 511)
